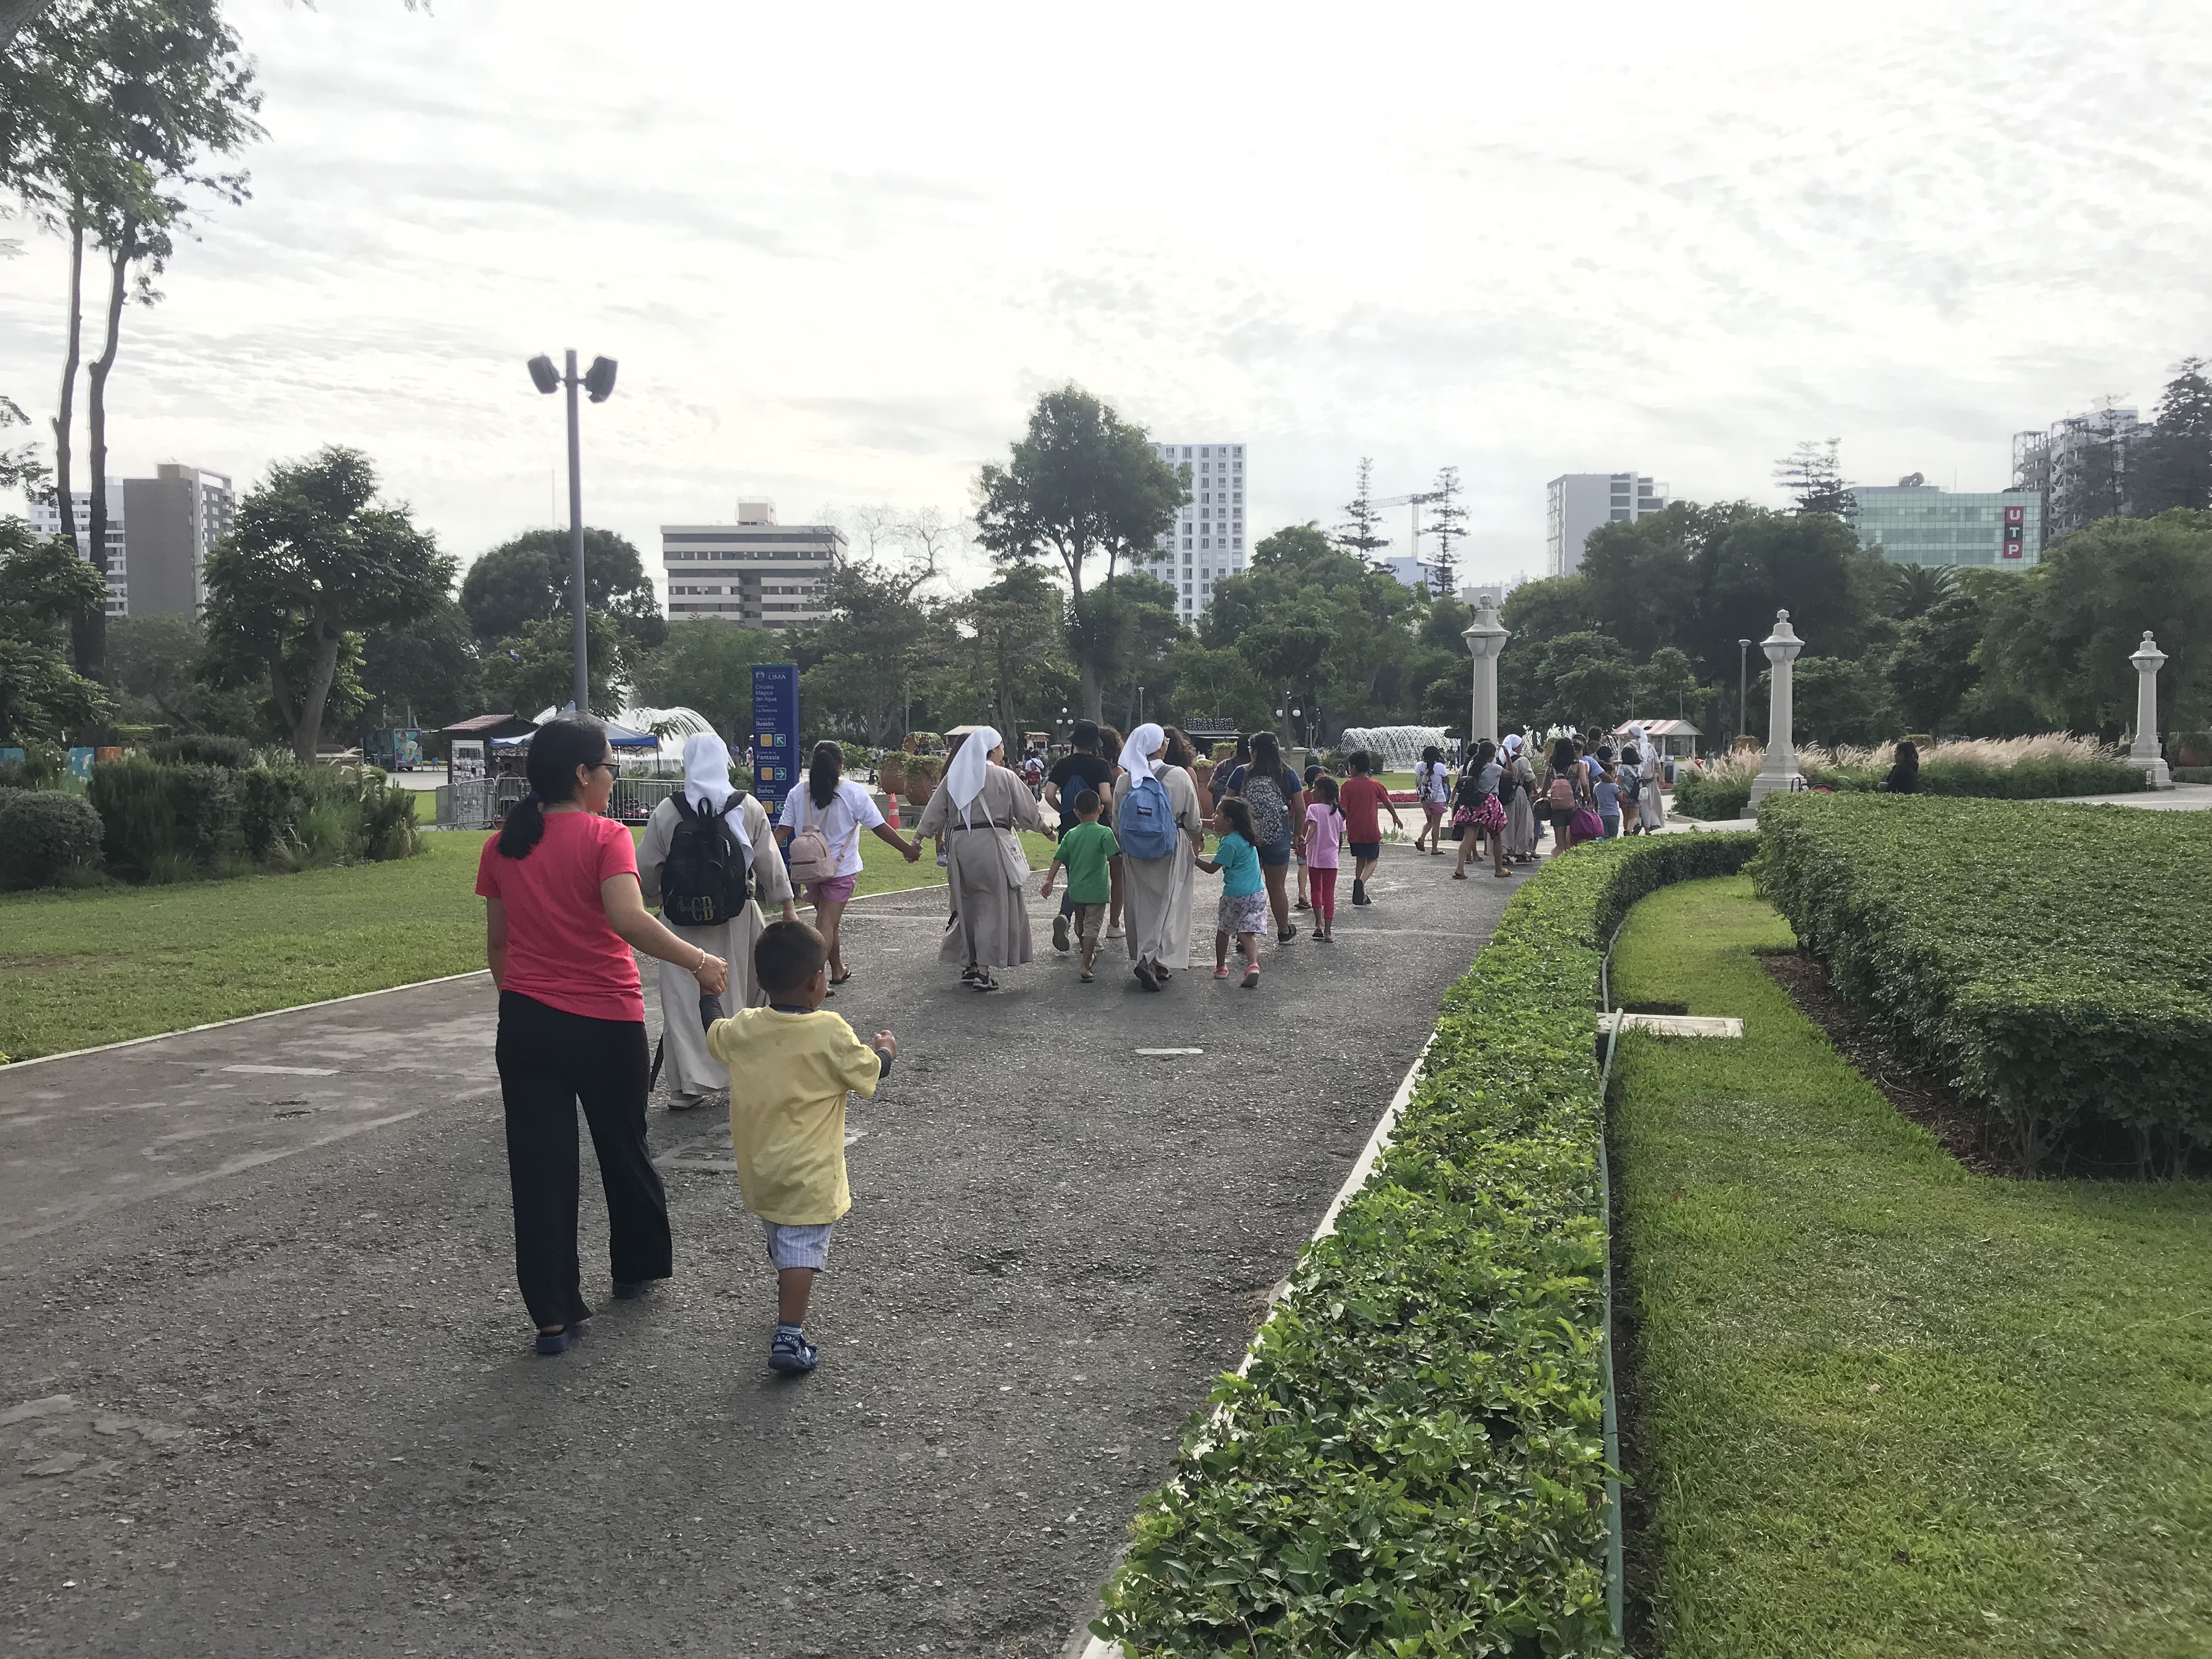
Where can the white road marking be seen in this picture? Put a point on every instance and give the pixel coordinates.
(1171, 1051)
(286, 1071)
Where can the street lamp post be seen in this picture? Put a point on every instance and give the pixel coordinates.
(600, 381)
(1742, 685)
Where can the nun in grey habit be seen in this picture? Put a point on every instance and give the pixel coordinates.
(977, 809)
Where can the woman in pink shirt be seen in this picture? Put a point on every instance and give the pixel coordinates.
(561, 909)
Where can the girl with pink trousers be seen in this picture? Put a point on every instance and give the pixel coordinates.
(1324, 837)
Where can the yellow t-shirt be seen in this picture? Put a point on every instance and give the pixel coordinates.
(789, 1077)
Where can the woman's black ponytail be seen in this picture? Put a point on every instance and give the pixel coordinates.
(822, 771)
(557, 750)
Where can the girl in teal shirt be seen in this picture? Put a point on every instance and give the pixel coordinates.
(1243, 910)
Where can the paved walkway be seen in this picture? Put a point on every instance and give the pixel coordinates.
(267, 1389)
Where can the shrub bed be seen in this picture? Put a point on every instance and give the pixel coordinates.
(1413, 1462)
(177, 820)
(2055, 958)
(2052, 766)
(44, 834)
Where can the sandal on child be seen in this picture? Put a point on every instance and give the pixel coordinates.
(1252, 978)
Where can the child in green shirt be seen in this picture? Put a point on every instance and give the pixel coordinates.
(1087, 851)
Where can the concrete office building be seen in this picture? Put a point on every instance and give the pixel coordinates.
(1207, 540)
(45, 520)
(177, 517)
(755, 573)
(2083, 469)
(1576, 503)
(160, 532)
(1914, 522)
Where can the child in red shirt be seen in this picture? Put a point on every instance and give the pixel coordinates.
(1365, 801)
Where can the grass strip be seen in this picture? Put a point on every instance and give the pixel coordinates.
(78, 968)
(2053, 957)
(1413, 1462)
(1886, 1406)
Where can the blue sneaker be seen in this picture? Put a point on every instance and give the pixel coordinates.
(791, 1352)
(560, 1341)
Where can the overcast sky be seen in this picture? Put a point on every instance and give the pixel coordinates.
(839, 250)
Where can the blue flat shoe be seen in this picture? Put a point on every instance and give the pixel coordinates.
(560, 1341)
(791, 1351)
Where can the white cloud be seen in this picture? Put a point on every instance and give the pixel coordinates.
(837, 251)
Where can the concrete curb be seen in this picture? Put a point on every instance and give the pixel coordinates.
(1083, 1644)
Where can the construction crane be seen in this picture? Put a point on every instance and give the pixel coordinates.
(1414, 543)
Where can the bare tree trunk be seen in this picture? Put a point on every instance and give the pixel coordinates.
(94, 666)
(309, 731)
(65, 423)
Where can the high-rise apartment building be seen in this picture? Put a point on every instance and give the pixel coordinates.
(1914, 522)
(1576, 503)
(177, 517)
(1207, 540)
(160, 532)
(46, 518)
(755, 573)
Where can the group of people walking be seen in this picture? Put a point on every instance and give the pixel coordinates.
(566, 904)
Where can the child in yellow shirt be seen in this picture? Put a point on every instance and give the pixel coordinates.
(790, 1066)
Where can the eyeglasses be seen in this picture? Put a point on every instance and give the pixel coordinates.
(601, 766)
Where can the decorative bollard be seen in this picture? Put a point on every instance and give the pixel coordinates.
(2148, 660)
(1778, 771)
(1484, 639)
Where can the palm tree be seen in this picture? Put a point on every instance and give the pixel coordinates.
(1917, 589)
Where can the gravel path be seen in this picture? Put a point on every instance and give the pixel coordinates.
(267, 1387)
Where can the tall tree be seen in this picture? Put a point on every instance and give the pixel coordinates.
(1812, 476)
(1914, 590)
(313, 561)
(526, 579)
(1083, 483)
(1361, 532)
(1011, 641)
(131, 99)
(1933, 666)
(1448, 523)
(2176, 465)
(427, 673)
(2062, 634)
(19, 469)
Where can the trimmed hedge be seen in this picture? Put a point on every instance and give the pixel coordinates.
(1713, 798)
(155, 815)
(2055, 958)
(1414, 1461)
(44, 834)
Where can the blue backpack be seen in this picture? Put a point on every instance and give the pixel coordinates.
(1145, 821)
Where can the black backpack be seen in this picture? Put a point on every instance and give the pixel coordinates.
(703, 879)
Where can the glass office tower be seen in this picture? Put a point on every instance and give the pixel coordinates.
(1919, 524)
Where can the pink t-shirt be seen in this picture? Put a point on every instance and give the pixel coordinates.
(1324, 833)
(560, 948)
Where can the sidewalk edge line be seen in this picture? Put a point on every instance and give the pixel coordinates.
(217, 1024)
(1083, 1644)
(302, 1007)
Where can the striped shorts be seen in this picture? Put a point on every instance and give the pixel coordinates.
(798, 1247)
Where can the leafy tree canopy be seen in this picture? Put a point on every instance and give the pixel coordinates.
(707, 666)
(536, 668)
(314, 561)
(44, 587)
(526, 579)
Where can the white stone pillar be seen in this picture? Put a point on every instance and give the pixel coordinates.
(1778, 771)
(1484, 639)
(2148, 660)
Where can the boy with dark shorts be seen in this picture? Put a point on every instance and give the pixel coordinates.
(1364, 801)
(791, 1067)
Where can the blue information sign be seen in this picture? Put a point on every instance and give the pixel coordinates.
(776, 759)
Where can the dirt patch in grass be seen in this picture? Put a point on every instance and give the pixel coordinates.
(1924, 1096)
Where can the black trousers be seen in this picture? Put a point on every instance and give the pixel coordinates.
(550, 1060)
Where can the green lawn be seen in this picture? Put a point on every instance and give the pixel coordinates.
(78, 968)
(1888, 1407)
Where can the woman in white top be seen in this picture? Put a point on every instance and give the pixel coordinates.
(693, 1072)
(841, 809)
(1433, 787)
